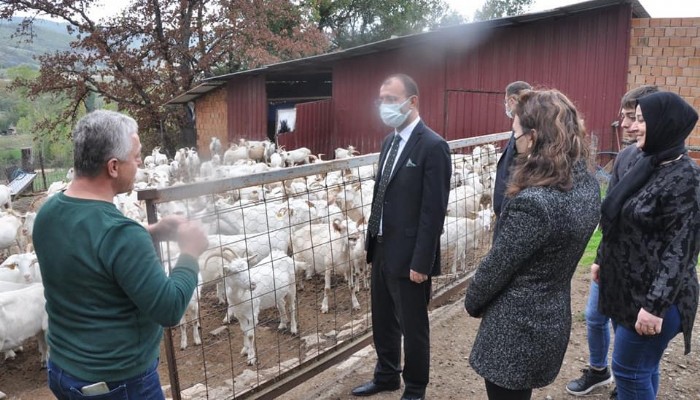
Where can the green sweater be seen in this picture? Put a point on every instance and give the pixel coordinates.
(107, 294)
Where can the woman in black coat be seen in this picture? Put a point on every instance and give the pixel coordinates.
(522, 288)
(649, 251)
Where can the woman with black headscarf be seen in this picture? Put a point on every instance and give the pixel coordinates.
(649, 251)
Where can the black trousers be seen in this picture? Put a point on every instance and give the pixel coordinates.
(400, 307)
(495, 392)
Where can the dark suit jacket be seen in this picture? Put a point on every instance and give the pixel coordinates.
(502, 175)
(415, 203)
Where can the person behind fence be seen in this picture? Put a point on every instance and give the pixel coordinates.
(649, 251)
(403, 240)
(521, 290)
(107, 294)
(505, 162)
(598, 325)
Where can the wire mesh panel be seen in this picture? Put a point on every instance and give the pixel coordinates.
(284, 281)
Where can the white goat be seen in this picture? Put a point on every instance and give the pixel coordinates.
(27, 265)
(327, 249)
(5, 197)
(22, 316)
(269, 283)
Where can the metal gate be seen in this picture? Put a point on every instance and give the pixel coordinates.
(297, 235)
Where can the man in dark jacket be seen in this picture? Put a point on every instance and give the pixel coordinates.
(403, 239)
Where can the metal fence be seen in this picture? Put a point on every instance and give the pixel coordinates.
(287, 255)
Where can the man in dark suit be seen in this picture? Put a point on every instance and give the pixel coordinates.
(513, 92)
(408, 210)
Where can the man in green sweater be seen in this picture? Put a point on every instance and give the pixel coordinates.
(107, 294)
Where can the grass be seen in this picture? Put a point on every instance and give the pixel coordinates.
(591, 249)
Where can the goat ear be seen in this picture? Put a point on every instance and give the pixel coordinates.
(252, 257)
(11, 265)
(337, 225)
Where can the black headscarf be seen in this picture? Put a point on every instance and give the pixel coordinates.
(669, 121)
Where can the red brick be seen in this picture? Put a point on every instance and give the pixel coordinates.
(646, 51)
(694, 141)
(635, 69)
(675, 41)
(656, 71)
(659, 32)
(674, 22)
(686, 41)
(652, 61)
(689, 51)
(636, 51)
(647, 32)
(693, 84)
(665, 22)
(646, 70)
(662, 61)
(649, 79)
(694, 62)
(682, 81)
(660, 81)
(674, 89)
(666, 71)
(664, 42)
(672, 61)
(656, 51)
(642, 41)
(683, 62)
(697, 72)
(670, 80)
(679, 31)
(670, 32)
(669, 51)
(685, 91)
(655, 22)
(636, 22)
(632, 60)
(696, 21)
(695, 42)
(691, 31)
(630, 80)
(678, 51)
(687, 22)
(639, 79)
(644, 21)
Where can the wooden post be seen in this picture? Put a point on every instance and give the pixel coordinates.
(28, 162)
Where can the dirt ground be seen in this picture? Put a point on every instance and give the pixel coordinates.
(452, 335)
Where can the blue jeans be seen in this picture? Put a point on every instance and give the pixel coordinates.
(598, 327)
(143, 386)
(636, 358)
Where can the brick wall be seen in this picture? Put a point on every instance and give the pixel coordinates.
(666, 52)
(212, 120)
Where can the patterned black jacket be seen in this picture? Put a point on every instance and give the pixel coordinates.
(651, 262)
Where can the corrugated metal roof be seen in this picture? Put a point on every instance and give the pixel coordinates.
(323, 63)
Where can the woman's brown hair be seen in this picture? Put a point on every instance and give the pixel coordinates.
(558, 138)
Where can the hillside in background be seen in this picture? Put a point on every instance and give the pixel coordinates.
(49, 37)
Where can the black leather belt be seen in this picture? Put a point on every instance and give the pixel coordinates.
(380, 239)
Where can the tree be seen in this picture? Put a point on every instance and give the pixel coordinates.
(155, 50)
(355, 22)
(493, 9)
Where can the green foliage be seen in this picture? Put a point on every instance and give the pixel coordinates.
(493, 9)
(352, 23)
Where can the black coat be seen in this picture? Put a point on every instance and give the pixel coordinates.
(415, 204)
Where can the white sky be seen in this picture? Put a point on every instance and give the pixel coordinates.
(655, 8)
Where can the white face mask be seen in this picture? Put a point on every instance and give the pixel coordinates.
(391, 114)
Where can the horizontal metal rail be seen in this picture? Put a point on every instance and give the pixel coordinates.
(182, 192)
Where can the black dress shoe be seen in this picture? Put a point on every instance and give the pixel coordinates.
(371, 388)
(408, 397)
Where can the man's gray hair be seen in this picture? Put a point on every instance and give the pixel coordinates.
(100, 136)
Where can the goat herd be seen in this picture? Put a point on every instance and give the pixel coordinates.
(265, 241)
